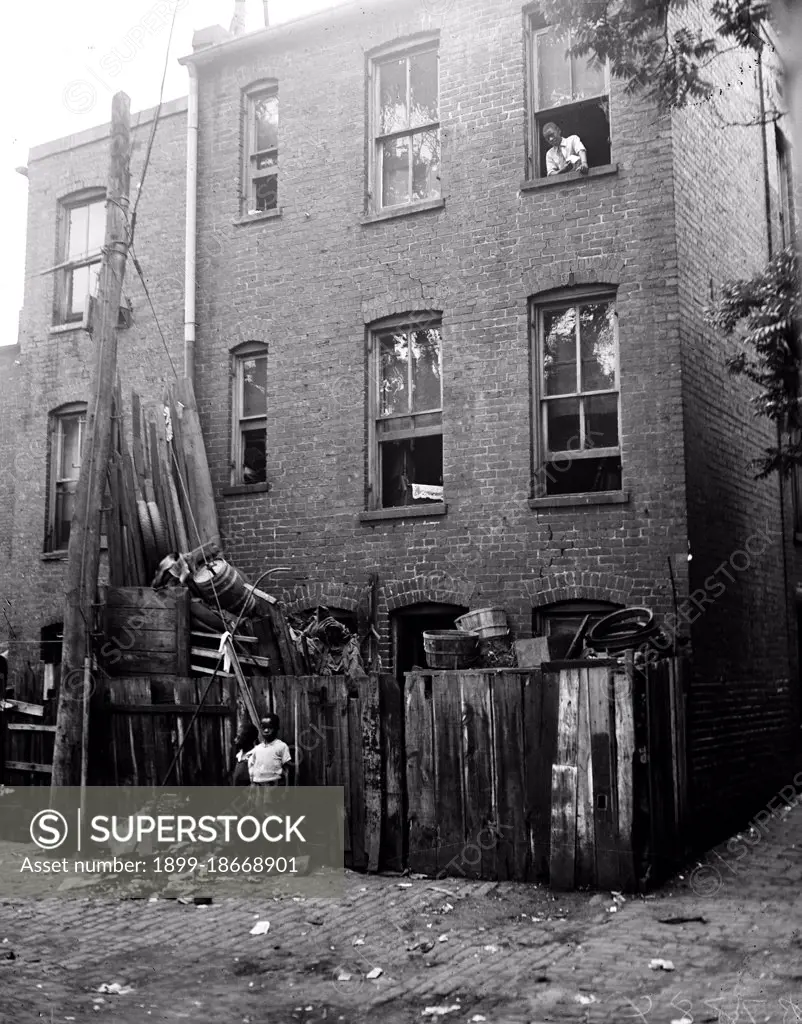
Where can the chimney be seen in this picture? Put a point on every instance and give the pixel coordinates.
(266, 4)
(238, 21)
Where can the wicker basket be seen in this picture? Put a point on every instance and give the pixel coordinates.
(486, 623)
(450, 649)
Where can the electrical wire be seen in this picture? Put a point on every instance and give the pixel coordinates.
(138, 269)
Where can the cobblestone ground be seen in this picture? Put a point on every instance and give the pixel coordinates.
(501, 953)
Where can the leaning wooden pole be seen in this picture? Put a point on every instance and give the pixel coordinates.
(84, 549)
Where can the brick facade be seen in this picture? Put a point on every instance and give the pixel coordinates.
(310, 281)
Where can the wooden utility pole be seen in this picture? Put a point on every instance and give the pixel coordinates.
(84, 550)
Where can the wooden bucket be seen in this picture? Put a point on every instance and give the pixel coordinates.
(450, 649)
(220, 582)
(486, 623)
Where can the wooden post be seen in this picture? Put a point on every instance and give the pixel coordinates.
(84, 549)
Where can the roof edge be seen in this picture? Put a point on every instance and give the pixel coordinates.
(90, 135)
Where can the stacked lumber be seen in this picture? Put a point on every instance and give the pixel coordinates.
(160, 491)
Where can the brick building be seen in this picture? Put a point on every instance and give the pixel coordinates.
(417, 356)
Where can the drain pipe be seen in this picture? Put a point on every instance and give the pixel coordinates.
(191, 225)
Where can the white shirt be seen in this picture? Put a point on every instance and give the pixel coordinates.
(567, 152)
(266, 761)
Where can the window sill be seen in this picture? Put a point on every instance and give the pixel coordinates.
(588, 498)
(54, 556)
(437, 508)
(404, 211)
(257, 218)
(75, 325)
(245, 489)
(533, 184)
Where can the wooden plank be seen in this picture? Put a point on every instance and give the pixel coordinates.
(537, 764)
(624, 760)
(139, 642)
(132, 521)
(178, 464)
(35, 710)
(165, 708)
(585, 823)
(356, 776)
(391, 706)
(25, 727)
(182, 630)
(509, 752)
(420, 772)
(138, 663)
(142, 598)
(28, 766)
(562, 859)
(568, 717)
(479, 784)
(125, 624)
(600, 693)
(199, 482)
(188, 765)
(136, 440)
(371, 767)
(268, 645)
(448, 767)
(141, 734)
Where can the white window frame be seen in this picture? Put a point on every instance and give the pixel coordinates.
(377, 140)
(539, 115)
(240, 423)
(542, 400)
(250, 175)
(58, 484)
(63, 305)
(376, 437)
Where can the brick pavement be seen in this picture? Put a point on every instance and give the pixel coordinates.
(509, 953)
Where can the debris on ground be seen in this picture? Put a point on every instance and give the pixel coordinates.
(8, 954)
(115, 989)
(420, 945)
(584, 1000)
(679, 919)
(260, 928)
(661, 965)
(440, 1011)
(343, 976)
(375, 973)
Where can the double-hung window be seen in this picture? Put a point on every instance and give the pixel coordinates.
(577, 401)
(260, 187)
(406, 415)
(785, 187)
(571, 92)
(249, 456)
(83, 227)
(406, 128)
(68, 426)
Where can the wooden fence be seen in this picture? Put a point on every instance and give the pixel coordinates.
(330, 723)
(572, 774)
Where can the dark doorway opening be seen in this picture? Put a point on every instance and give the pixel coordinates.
(409, 625)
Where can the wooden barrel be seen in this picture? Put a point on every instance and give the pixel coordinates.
(220, 582)
(449, 648)
(486, 623)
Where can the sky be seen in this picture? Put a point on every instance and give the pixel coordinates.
(63, 63)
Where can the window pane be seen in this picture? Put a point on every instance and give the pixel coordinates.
(70, 466)
(559, 351)
(601, 421)
(588, 80)
(265, 112)
(394, 386)
(425, 370)
(254, 455)
(254, 386)
(79, 283)
(393, 115)
(94, 278)
(553, 70)
(395, 172)
(562, 425)
(597, 346)
(78, 227)
(97, 226)
(425, 165)
(265, 161)
(265, 193)
(423, 89)
(575, 476)
(411, 471)
(65, 509)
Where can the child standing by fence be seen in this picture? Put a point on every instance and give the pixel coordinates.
(244, 744)
(270, 760)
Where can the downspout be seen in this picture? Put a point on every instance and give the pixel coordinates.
(190, 282)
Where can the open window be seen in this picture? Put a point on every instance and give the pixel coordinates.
(260, 185)
(406, 415)
(572, 92)
(577, 399)
(785, 187)
(249, 430)
(405, 127)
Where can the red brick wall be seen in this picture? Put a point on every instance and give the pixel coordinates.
(57, 368)
(744, 701)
